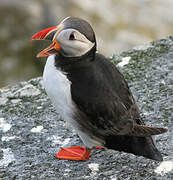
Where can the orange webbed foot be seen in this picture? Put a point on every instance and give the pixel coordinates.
(74, 153)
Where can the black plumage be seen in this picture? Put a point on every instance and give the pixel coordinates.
(107, 108)
(102, 108)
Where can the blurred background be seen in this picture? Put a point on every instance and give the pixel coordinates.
(119, 26)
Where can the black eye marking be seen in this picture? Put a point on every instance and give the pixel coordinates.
(71, 37)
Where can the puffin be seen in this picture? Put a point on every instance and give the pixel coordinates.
(92, 95)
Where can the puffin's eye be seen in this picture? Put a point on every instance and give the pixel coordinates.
(71, 37)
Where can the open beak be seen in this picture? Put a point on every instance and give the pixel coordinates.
(49, 34)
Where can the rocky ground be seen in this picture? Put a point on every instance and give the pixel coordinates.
(31, 132)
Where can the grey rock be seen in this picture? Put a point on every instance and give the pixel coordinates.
(3, 100)
(16, 101)
(37, 131)
(27, 91)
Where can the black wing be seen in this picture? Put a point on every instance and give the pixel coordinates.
(105, 102)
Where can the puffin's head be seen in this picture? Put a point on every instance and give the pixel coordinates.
(73, 37)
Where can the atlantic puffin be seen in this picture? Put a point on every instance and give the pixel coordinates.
(91, 94)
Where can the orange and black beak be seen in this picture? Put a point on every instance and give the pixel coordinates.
(49, 34)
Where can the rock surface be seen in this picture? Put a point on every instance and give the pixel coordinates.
(31, 132)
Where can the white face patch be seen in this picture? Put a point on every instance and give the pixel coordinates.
(74, 47)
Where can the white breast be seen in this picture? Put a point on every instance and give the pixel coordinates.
(57, 87)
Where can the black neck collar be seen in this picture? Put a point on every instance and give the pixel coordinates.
(68, 63)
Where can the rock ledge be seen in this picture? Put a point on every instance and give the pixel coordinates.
(31, 132)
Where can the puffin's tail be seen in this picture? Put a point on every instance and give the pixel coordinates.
(144, 131)
(141, 146)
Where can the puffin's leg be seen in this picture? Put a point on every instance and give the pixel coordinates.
(99, 147)
(74, 153)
